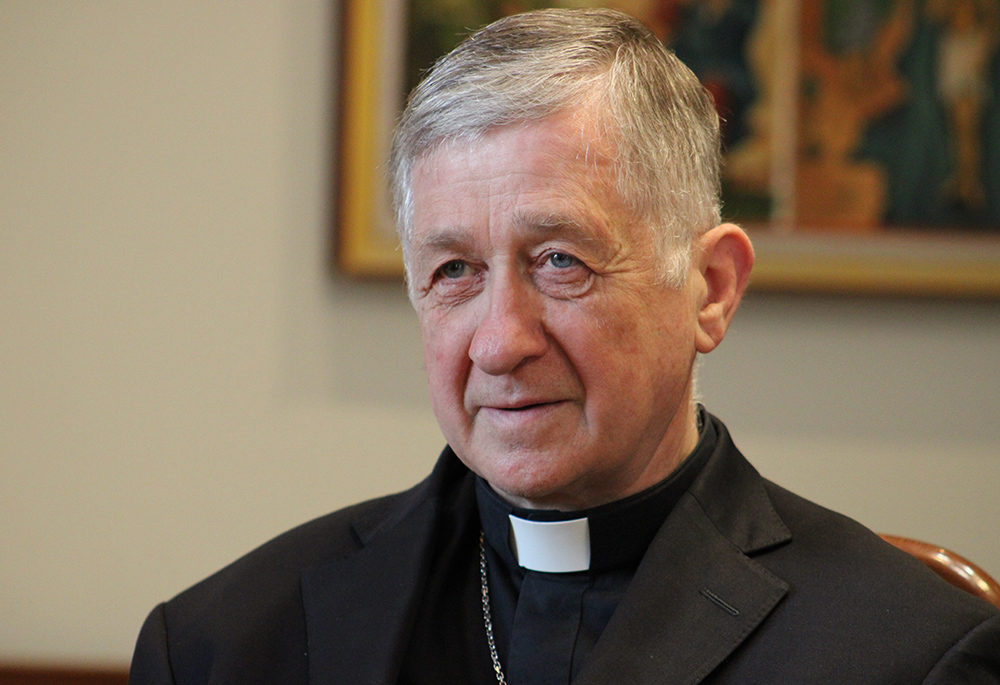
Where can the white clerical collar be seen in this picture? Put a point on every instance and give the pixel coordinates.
(551, 546)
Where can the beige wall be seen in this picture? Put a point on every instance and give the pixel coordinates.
(181, 378)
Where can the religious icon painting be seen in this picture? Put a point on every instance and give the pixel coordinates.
(861, 138)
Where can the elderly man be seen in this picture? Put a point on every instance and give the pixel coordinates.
(556, 184)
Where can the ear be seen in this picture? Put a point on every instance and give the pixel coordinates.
(723, 257)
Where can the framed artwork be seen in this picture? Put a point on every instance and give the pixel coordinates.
(861, 137)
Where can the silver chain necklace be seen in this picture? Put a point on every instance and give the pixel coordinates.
(486, 612)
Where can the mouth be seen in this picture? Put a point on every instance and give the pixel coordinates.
(520, 409)
(522, 406)
(521, 415)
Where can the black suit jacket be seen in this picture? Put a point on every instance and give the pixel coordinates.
(744, 583)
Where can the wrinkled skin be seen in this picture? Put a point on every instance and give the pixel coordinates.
(559, 365)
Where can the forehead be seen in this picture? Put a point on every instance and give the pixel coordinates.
(554, 174)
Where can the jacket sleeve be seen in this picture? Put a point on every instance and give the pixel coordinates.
(151, 660)
(973, 660)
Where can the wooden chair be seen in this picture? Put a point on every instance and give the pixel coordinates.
(954, 568)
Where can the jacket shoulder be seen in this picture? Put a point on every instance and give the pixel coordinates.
(850, 592)
(247, 620)
(281, 560)
(851, 552)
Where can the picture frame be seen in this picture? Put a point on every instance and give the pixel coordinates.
(806, 241)
(370, 94)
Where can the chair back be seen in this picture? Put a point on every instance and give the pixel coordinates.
(954, 568)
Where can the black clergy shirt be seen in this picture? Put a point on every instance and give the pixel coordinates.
(545, 624)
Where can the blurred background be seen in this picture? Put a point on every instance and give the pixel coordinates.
(183, 375)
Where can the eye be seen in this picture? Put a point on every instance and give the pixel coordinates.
(561, 260)
(456, 268)
(562, 275)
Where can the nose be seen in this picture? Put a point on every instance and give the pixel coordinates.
(510, 331)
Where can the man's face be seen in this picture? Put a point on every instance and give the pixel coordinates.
(559, 367)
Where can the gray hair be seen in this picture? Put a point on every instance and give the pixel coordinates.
(531, 66)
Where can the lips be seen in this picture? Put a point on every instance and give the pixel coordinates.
(512, 401)
(519, 414)
(517, 404)
(520, 406)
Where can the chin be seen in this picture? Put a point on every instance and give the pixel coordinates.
(535, 479)
(535, 491)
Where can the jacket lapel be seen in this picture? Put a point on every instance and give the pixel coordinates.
(697, 595)
(684, 613)
(359, 609)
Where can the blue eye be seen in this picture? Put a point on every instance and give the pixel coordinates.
(561, 260)
(453, 269)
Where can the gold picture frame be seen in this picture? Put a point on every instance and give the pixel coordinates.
(797, 251)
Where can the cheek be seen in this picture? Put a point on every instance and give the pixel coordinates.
(631, 351)
(445, 358)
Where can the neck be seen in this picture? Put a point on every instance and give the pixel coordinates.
(678, 441)
(600, 538)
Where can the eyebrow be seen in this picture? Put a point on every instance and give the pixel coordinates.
(547, 223)
(452, 239)
(592, 231)
(543, 225)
